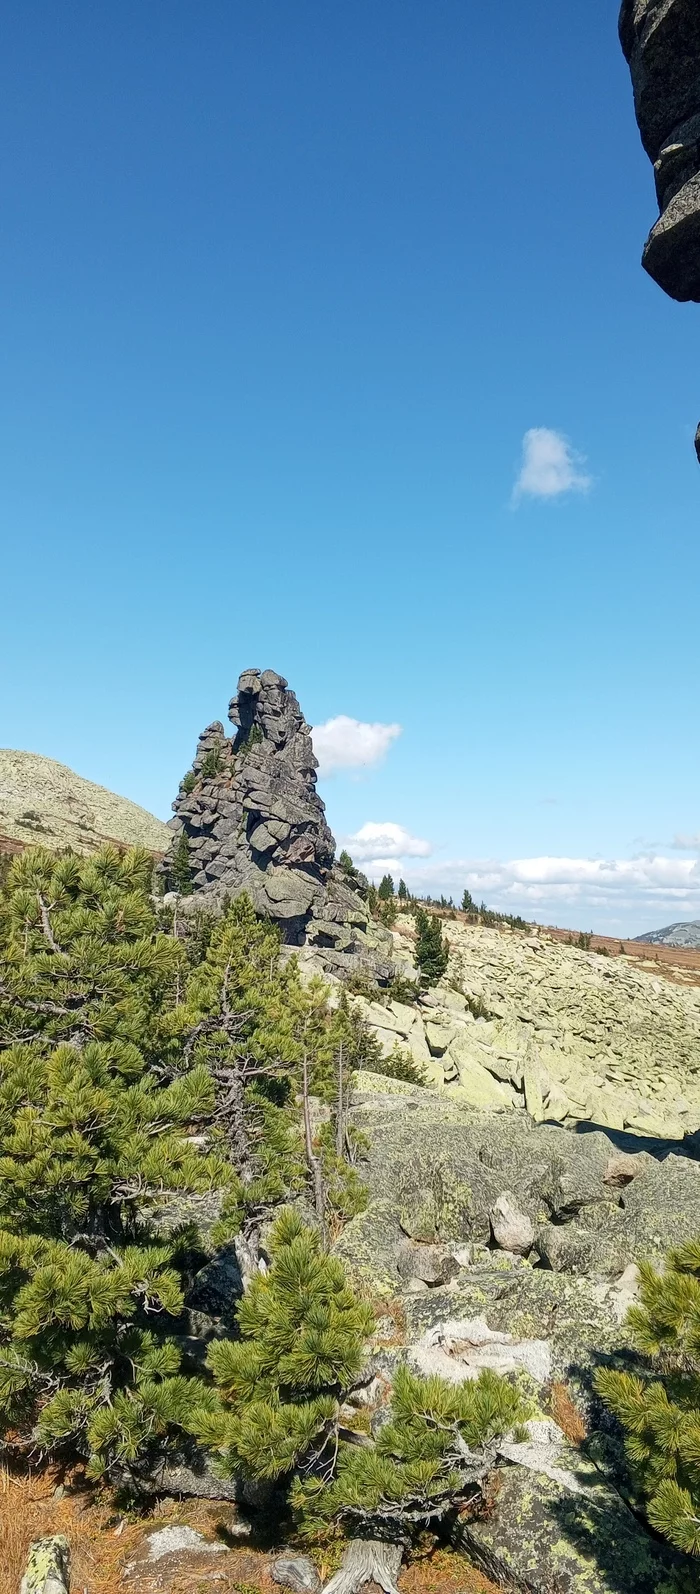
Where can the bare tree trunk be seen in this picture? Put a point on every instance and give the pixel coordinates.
(367, 1561)
(312, 1160)
(340, 1109)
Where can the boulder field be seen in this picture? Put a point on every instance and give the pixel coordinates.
(523, 1022)
(498, 1242)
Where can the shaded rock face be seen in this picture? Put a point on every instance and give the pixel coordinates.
(661, 42)
(254, 822)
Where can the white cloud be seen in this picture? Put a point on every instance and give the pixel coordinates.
(638, 893)
(379, 847)
(550, 466)
(686, 843)
(344, 743)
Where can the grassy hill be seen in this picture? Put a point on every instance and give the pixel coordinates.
(47, 803)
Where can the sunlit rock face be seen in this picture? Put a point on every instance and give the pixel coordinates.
(251, 820)
(661, 43)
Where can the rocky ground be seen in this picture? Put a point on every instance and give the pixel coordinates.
(46, 804)
(523, 1022)
(499, 1242)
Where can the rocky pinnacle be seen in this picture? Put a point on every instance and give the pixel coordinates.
(252, 821)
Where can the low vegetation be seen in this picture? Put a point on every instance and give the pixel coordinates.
(660, 1410)
(147, 1076)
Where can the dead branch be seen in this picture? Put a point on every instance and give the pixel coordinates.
(46, 924)
(313, 1161)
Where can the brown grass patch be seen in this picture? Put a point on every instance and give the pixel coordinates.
(444, 1572)
(565, 1414)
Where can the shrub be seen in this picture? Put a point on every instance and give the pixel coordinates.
(660, 1410)
(401, 1065)
(433, 1455)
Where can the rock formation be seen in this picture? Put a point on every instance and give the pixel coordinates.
(252, 821)
(661, 42)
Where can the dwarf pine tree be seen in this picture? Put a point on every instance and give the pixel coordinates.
(302, 1345)
(660, 1410)
(281, 1393)
(434, 1454)
(96, 1102)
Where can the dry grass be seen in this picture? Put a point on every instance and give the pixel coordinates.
(101, 1544)
(566, 1415)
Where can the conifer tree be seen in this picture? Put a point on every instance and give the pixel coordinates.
(385, 890)
(95, 1105)
(402, 892)
(282, 1386)
(302, 1344)
(432, 954)
(660, 1410)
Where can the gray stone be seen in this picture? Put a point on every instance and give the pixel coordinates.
(255, 823)
(566, 1248)
(48, 1567)
(512, 1230)
(430, 1263)
(661, 42)
(543, 1534)
(174, 1540)
(296, 1572)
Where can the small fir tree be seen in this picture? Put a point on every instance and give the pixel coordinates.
(468, 903)
(432, 953)
(402, 892)
(434, 1454)
(386, 888)
(180, 868)
(660, 1410)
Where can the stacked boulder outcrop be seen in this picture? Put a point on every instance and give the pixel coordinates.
(248, 818)
(661, 42)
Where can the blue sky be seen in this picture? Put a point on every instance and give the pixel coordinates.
(283, 289)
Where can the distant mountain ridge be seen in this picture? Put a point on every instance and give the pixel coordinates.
(46, 803)
(687, 933)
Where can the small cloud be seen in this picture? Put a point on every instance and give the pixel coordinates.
(550, 467)
(686, 843)
(379, 847)
(344, 743)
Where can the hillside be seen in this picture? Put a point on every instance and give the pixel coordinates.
(46, 803)
(684, 934)
(522, 1020)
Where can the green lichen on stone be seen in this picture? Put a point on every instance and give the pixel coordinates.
(47, 1566)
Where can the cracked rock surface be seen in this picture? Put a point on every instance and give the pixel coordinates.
(567, 1035)
(253, 821)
